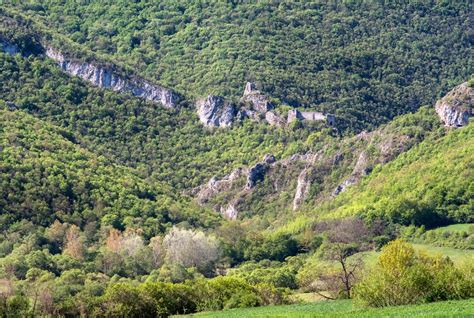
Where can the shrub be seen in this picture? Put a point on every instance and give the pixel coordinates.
(403, 276)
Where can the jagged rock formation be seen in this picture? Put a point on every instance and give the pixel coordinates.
(302, 189)
(257, 172)
(457, 106)
(295, 114)
(242, 179)
(258, 107)
(108, 78)
(230, 212)
(361, 169)
(274, 119)
(214, 111)
(8, 48)
(307, 177)
(258, 100)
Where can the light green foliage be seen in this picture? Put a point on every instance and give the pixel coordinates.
(459, 236)
(162, 299)
(272, 272)
(403, 276)
(431, 184)
(45, 177)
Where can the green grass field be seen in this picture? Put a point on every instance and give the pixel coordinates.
(466, 227)
(344, 308)
(456, 255)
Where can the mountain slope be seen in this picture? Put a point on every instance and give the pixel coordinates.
(365, 62)
(431, 184)
(170, 146)
(303, 180)
(45, 176)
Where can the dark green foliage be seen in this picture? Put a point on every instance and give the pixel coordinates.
(165, 299)
(275, 248)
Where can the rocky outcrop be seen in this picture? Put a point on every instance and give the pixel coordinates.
(274, 119)
(234, 182)
(230, 212)
(361, 169)
(107, 77)
(9, 48)
(215, 186)
(257, 172)
(215, 111)
(258, 107)
(295, 114)
(457, 106)
(302, 189)
(257, 99)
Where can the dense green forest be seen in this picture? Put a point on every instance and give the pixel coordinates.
(169, 146)
(364, 61)
(45, 177)
(99, 211)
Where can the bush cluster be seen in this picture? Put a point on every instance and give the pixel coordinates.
(403, 276)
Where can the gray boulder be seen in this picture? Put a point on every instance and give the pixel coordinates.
(215, 111)
(455, 108)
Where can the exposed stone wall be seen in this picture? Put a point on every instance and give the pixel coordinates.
(457, 106)
(108, 78)
(295, 114)
(215, 111)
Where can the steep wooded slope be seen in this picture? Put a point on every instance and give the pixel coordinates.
(45, 176)
(365, 62)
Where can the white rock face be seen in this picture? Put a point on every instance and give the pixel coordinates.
(215, 111)
(107, 78)
(361, 169)
(295, 114)
(274, 119)
(230, 212)
(302, 189)
(457, 106)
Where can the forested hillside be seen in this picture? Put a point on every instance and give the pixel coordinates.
(430, 184)
(366, 62)
(161, 143)
(127, 190)
(45, 177)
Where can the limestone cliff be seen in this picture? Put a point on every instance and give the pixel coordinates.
(457, 106)
(233, 186)
(290, 183)
(107, 77)
(256, 106)
(215, 111)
